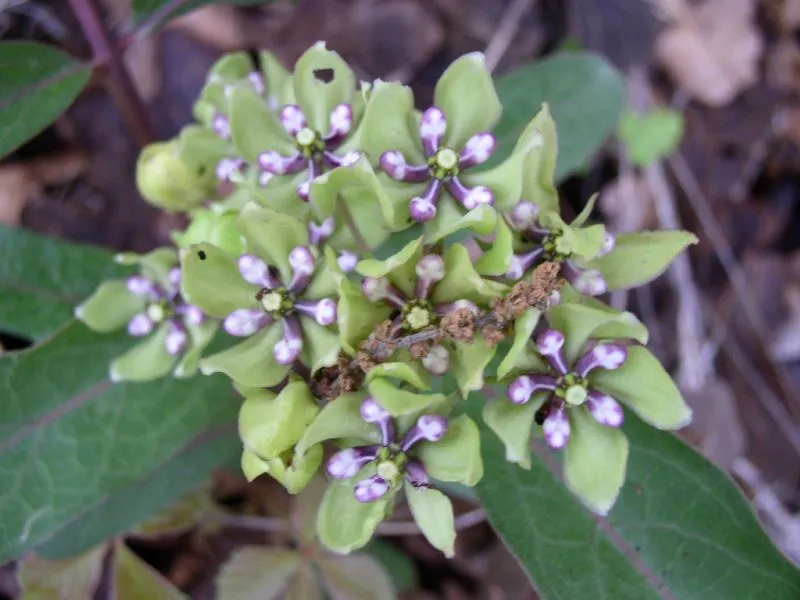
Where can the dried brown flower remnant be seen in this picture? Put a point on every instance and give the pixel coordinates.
(492, 335)
(529, 294)
(420, 350)
(459, 324)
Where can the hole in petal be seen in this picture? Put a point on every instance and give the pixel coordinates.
(202, 254)
(323, 75)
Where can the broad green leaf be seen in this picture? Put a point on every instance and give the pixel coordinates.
(358, 577)
(257, 573)
(585, 93)
(83, 459)
(652, 136)
(134, 579)
(39, 83)
(75, 577)
(398, 564)
(638, 258)
(680, 527)
(181, 515)
(43, 279)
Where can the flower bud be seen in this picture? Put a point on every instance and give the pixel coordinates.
(164, 180)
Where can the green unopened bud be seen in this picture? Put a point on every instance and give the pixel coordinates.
(210, 227)
(269, 425)
(166, 181)
(293, 472)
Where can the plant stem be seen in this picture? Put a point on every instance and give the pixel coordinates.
(154, 20)
(108, 56)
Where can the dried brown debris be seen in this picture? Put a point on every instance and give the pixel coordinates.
(460, 324)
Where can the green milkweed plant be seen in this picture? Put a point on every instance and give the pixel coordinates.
(369, 265)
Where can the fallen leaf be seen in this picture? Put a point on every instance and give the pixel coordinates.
(627, 205)
(712, 50)
(20, 182)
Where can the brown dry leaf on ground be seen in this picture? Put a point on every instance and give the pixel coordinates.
(711, 50)
(627, 205)
(21, 182)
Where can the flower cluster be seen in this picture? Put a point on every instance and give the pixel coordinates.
(353, 254)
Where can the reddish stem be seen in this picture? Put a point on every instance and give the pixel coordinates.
(108, 56)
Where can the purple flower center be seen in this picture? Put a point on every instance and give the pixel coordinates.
(390, 457)
(442, 167)
(569, 388)
(164, 305)
(278, 300)
(315, 152)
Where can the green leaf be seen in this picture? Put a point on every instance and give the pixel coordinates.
(74, 577)
(644, 386)
(652, 136)
(43, 279)
(84, 459)
(135, 579)
(358, 577)
(38, 84)
(680, 527)
(257, 573)
(433, 513)
(638, 258)
(398, 564)
(585, 93)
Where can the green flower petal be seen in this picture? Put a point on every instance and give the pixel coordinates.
(387, 123)
(250, 362)
(280, 194)
(624, 324)
(201, 150)
(595, 461)
(211, 227)
(340, 419)
(200, 336)
(643, 385)
(584, 242)
(294, 476)
(505, 180)
(316, 97)
(110, 307)
(343, 523)
(521, 356)
(433, 513)
(155, 265)
(164, 180)
(279, 81)
(146, 361)
(497, 259)
(401, 402)
(270, 425)
(638, 258)
(360, 189)
(457, 456)
(466, 94)
(583, 216)
(212, 281)
(272, 235)
(413, 374)
(513, 424)
(468, 363)
(399, 268)
(538, 182)
(451, 218)
(579, 322)
(463, 282)
(321, 345)
(254, 127)
(358, 317)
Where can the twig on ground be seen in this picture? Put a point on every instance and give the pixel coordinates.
(506, 30)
